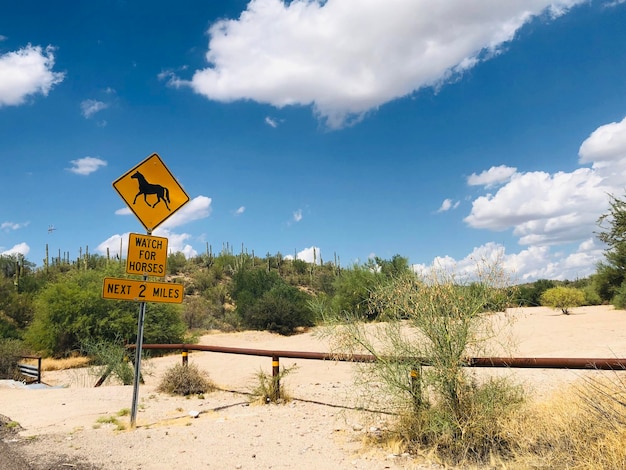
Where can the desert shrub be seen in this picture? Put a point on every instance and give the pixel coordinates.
(563, 298)
(266, 302)
(269, 389)
(185, 380)
(431, 324)
(352, 290)
(10, 352)
(476, 434)
(109, 359)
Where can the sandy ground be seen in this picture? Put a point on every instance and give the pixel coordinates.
(318, 429)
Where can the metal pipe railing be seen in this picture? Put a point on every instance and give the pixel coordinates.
(511, 362)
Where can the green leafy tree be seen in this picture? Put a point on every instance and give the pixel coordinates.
(71, 310)
(394, 267)
(16, 310)
(563, 298)
(352, 290)
(176, 263)
(266, 302)
(439, 319)
(611, 274)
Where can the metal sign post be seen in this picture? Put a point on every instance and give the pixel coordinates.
(152, 194)
(138, 350)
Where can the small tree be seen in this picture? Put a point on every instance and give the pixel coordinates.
(438, 320)
(564, 298)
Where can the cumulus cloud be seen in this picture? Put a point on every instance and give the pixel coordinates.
(448, 204)
(543, 208)
(20, 248)
(347, 57)
(26, 72)
(531, 264)
(176, 242)
(90, 107)
(117, 245)
(605, 149)
(494, 176)
(311, 255)
(551, 209)
(240, 211)
(86, 165)
(196, 209)
(554, 215)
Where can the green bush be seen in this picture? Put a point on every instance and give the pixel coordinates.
(475, 435)
(563, 298)
(185, 380)
(109, 359)
(70, 310)
(266, 302)
(440, 319)
(11, 350)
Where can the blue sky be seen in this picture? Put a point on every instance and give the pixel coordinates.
(445, 131)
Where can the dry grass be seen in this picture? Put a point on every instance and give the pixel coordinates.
(50, 364)
(583, 427)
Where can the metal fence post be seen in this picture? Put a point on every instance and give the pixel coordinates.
(416, 385)
(276, 376)
(185, 354)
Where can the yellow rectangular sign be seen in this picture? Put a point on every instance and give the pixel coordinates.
(147, 255)
(142, 291)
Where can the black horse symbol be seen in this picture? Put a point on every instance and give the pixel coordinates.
(145, 188)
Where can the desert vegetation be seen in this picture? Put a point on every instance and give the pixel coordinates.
(420, 328)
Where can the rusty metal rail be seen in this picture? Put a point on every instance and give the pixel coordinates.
(512, 362)
(412, 362)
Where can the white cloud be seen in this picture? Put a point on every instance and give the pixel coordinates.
(240, 211)
(271, 122)
(198, 208)
(86, 165)
(448, 204)
(8, 226)
(552, 209)
(494, 176)
(90, 107)
(21, 248)
(605, 149)
(543, 208)
(26, 72)
(310, 255)
(176, 242)
(124, 211)
(529, 265)
(554, 215)
(347, 57)
(297, 215)
(118, 244)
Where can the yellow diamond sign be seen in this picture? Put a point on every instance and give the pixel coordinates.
(151, 192)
